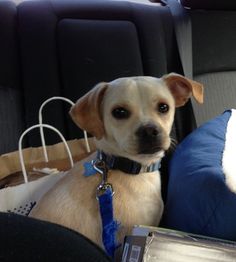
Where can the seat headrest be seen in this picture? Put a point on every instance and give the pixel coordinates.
(210, 4)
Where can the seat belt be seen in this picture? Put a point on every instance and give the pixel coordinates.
(183, 32)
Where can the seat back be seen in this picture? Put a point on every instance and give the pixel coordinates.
(11, 110)
(69, 46)
(214, 54)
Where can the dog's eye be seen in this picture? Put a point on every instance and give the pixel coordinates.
(163, 108)
(120, 113)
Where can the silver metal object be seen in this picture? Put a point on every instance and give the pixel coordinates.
(101, 168)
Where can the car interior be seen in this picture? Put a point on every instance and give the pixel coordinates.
(65, 47)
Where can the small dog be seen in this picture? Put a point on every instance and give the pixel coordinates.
(131, 120)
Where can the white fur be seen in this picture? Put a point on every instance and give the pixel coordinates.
(137, 199)
(228, 160)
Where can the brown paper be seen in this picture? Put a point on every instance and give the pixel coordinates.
(34, 158)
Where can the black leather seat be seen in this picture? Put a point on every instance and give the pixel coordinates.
(11, 99)
(66, 47)
(69, 46)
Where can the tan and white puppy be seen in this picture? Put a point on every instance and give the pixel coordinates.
(132, 118)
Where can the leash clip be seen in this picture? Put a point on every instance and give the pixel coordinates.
(102, 189)
(101, 168)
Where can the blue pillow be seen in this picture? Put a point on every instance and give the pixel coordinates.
(202, 184)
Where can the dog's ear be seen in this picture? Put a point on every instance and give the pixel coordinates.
(86, 112)
(182, 88)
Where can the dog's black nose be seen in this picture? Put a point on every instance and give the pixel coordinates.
(148, 131)
(150, 138)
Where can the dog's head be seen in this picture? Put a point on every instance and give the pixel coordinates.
(132, 117)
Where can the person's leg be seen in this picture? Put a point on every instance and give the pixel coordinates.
(27, 239)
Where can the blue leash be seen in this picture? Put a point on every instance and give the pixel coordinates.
(109, 225)
(104, 196)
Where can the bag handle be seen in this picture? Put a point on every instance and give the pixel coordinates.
(41, 122)
(20, 146)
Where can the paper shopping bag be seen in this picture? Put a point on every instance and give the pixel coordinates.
(19, 197)
(33, 158)
(25, 176)
(22, 198)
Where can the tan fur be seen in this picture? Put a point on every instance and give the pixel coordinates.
(182, 88)
(137, 198)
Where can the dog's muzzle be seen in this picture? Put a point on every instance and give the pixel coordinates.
(150, 139)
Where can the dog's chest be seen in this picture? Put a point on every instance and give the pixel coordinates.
(137, 199)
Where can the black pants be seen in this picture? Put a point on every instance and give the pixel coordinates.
(27, 239)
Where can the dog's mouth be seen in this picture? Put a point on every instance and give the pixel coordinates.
(150, 150)
(151, 139)
(152, 146)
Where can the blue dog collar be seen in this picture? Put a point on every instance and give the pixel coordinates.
(126, 165)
